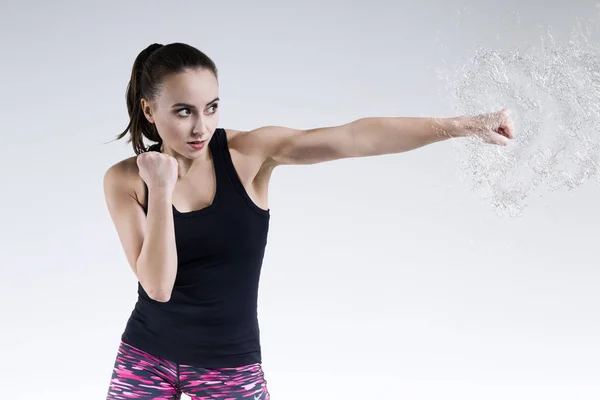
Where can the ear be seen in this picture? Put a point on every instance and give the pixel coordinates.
(147, 110)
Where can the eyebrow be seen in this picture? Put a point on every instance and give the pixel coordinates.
(191, 106)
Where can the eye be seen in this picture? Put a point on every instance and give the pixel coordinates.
(183, 109)
(215, 106)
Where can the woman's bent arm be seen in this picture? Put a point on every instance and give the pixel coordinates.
(148, 241)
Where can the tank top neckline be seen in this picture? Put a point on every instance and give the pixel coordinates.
(212, 147)
(226, 178)
(214, 154)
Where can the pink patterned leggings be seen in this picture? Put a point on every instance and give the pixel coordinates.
(142, 376)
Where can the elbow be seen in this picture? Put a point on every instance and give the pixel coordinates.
(157, 290)
(158, 286)
(161, 298)
(162, 295)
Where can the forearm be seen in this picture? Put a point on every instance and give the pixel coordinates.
(389, 135)
(157, 262)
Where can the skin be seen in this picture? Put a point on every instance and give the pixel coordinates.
(149, 241)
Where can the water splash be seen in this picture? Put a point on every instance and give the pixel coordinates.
(553, 93)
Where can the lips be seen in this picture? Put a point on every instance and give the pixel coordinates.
(197, 144)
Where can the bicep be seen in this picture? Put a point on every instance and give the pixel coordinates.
(126, 213)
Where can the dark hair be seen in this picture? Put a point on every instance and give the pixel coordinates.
(150, 68)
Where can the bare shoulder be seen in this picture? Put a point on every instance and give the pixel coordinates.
(236, 138)
(249, 162)
(244, 146)
(255, 143)
(123, 176)
(232, 133)
(244, 141)
(122, 172)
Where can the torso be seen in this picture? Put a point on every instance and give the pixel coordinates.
(197, 190)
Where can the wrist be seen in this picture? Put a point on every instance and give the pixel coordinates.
(451, 127)
(160, 193)
(457, 127)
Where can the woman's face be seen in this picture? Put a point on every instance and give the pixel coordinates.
(185, 112)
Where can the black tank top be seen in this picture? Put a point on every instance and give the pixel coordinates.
(211, 319)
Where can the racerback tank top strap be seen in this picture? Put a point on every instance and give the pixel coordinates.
(219, 152)
(231, 191)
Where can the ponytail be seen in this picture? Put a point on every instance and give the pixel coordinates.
(139, 126)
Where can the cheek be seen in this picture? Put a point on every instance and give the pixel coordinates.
(173, 127)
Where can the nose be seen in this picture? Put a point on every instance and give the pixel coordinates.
(201, 128)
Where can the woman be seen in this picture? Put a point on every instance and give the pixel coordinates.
(192, 215)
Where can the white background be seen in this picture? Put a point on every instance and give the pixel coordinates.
(384, 278)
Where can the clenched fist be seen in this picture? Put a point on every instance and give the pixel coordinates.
(158, 170)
